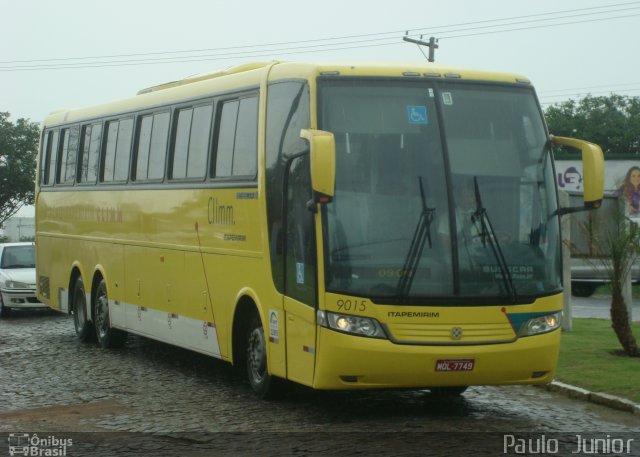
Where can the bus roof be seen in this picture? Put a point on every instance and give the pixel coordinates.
(252, 74)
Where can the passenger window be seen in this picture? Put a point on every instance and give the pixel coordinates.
(237, 145)
(245, 157)
(117, 150)
(191, 142)
(158, 152)
(226, 139)
(89, 153)
(68, 158)
(153, 131)
(48, 160)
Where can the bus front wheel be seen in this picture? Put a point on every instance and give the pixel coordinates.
(84, 328)
(107, 337)
(262, 383)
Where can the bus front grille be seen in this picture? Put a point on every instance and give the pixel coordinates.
(450, 334)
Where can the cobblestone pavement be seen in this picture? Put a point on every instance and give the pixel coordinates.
(174, 402)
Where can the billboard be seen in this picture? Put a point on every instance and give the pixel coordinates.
(622, 177)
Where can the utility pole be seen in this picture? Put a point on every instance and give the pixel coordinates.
(432, 44)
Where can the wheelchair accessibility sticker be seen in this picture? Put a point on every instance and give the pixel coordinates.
(417, 114)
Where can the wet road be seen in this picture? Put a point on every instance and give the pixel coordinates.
(53, 383)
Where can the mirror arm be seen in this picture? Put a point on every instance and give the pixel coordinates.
(570, 210)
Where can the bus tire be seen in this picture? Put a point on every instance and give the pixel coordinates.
(449, 391)
(84, 328)
(583, 289)
(107, 337)
(262, 383)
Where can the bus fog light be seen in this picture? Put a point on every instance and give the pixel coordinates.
(356, 325)
(541, 324)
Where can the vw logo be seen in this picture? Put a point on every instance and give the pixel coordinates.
(456, 333)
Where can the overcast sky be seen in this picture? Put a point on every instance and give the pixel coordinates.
(72, 53)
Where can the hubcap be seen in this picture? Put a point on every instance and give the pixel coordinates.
(102, 313)
(257, 357)
(79, 316)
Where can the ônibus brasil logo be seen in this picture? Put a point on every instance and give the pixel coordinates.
(32, 445)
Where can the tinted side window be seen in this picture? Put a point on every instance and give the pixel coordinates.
(199, 143)
(53, 156)
(109, 160)
(48, 159)
(68, 157)
(237, 144)
(245, 156)
(191, 145)
(226, 139)
(145, 123)
(151, 147)
(158, 152)
(117, 150)
(123, 150)
(89, 152)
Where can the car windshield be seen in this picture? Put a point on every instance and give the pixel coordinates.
(442, 190)
(18, 257)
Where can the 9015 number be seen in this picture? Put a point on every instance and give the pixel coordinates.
(351, 305)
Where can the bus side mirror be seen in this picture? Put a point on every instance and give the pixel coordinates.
(322, 146)
(592, 170)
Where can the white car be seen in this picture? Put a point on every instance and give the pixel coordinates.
(17, 277)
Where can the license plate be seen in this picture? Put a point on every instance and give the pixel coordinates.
(455, 365)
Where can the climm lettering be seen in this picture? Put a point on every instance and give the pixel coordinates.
(219, 214)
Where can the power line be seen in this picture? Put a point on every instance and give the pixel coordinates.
(316, 45)
(519, 29)
(286, 43)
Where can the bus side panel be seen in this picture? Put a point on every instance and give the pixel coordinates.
(45, 270)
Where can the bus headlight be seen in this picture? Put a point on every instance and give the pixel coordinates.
(541, 324)
(346, 323)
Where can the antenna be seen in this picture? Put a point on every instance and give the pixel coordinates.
(432, 45)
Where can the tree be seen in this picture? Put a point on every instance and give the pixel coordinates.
(613, 122)
(613, 244)
(18, 151)
(622, 241)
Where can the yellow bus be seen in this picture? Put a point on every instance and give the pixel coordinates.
(338, 226)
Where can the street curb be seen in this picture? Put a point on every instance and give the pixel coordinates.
(578, 393)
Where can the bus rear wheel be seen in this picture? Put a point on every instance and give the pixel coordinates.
(262, 383)
(84, 328)
(107, 337)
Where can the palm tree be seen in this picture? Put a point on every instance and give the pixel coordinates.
(621, 240)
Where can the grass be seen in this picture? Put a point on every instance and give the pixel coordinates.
(590, 357)
(606, 290)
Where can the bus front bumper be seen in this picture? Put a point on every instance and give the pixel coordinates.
(350, 362)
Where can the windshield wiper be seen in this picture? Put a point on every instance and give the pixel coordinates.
(420, 237)
(487, 232)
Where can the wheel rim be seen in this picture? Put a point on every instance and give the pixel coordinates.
(102, 312)
(257, 356)
(79, 311)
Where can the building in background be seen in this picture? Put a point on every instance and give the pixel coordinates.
(19, 228)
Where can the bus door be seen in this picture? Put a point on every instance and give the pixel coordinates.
(300, 300)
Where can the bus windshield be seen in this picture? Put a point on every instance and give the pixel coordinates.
(443, 190)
